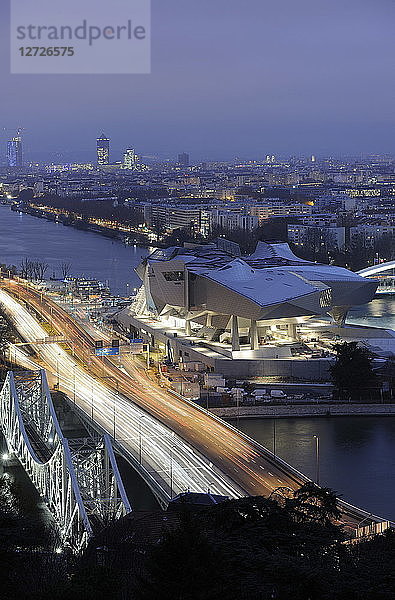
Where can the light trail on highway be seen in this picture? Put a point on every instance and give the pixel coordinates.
(170, 464)
(178, 446)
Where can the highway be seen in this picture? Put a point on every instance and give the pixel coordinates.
(178, 446)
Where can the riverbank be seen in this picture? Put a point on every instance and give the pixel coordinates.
(90, 255)
(123, 233)
(305, 410)
(66, 220)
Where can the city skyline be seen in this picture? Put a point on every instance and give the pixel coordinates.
(101, 146)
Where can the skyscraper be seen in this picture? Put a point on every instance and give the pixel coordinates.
(183, 159)
(14, 151)
(103, 150)
(130, 159)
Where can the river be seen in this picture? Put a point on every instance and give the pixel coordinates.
(357, 454)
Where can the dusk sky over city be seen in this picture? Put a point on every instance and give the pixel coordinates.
(228, 79)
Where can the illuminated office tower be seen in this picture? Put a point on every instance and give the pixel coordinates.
(14, 151)
(130, 159)
(103, 150)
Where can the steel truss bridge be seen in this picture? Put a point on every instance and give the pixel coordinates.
(78, 478)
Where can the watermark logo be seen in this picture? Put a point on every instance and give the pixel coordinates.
(80, 36)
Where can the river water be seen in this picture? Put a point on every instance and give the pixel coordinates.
(357, 454)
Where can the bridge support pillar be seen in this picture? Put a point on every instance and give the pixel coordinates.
(339, 314)
(187, 327)
(235, 333)
(253, 335)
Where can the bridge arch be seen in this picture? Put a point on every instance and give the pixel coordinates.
(375, 269)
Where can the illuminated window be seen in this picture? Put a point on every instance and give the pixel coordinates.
(174, 275)
(326, 298)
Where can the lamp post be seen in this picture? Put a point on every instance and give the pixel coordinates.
(51, 328)
(74, 366)
(317, 459)
(141, 417)
(148, 355)
(57, 371)
(114, 421)
(238, 409)
(171, 472)
(92, 406)
(114, 424)
(274, 436)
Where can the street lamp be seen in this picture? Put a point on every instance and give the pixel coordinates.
(238, 409)
(57, 371)
(114, 404)
(141, 417)
(74, 367)
(114, 424)
(92, 405)
(317, 459)
(171, 472)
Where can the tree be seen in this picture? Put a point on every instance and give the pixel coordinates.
(26, 195)
(39, 269)
(178, 236)
(33, 269)
(315, 503)
(65, 268)
(251, 548)
(26, 269)
(384, 247)
(5, 338)
(352, 373)
(359, 253)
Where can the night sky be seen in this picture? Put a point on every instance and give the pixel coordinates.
(229, 79)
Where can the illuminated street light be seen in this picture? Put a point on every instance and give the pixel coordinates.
(317, 459)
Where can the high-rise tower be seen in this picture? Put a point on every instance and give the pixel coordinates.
(183, 159)
(130, 159)
(103, 150)
(14, 151)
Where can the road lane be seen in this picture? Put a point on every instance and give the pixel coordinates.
(244, 463)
